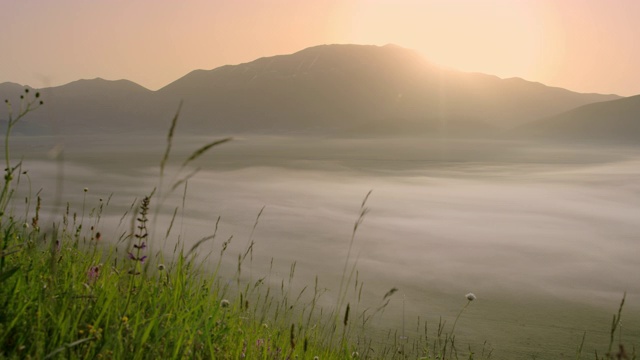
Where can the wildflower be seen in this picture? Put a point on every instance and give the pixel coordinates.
(93, 273)
(224, 303)
(125, 319)
(133, 257)
(25, 225)
(316, 358)
(94, 331)
(470, 297)
(141, 235)
(86, 189)
(160, 267)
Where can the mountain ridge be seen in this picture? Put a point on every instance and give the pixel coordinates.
(615, 120)
(333, 89)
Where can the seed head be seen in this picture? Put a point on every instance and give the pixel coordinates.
(471, 296)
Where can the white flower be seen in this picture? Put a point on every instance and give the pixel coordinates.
(224, 303)
(471, 296)
(86, 189)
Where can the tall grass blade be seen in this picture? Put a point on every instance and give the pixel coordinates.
(173, 218)
(184, 179)
(7, 274)
(196, 154)
(167, 151)
(67, 346)
(579, 351)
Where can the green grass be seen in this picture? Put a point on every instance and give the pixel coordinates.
(64, 294)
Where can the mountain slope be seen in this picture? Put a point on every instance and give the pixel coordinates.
(95, 105)
(362, 88)
(616, 120)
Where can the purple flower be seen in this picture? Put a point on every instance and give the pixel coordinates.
(133, 257)
(93, 273)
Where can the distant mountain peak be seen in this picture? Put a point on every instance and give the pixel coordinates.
(98, 83)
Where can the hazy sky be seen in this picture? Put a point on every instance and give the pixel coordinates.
(583, 45)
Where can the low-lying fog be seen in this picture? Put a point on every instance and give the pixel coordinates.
(548, 238)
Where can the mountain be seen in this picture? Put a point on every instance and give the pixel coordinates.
(362, 89)
(616, 120)
(9, 90)
(330, 89)
(86, 106)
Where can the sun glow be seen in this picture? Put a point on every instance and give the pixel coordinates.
(583, 45)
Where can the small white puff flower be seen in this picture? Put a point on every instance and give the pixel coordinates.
(224, 303)
(471, 296)
(86, 189)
